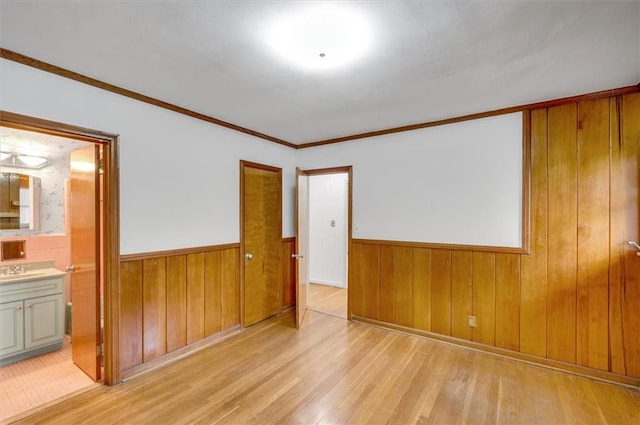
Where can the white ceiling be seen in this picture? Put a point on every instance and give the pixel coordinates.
(430, 59)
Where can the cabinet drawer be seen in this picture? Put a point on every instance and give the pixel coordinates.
(32, 288)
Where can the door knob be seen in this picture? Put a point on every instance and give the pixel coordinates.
(297, 256)
(71, 268)
(248, 256)
(636, 245)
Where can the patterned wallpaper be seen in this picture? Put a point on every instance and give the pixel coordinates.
(52, 176)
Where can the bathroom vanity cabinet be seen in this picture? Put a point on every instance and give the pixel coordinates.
(31, 316)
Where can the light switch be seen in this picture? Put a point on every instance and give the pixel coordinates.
(333, 223)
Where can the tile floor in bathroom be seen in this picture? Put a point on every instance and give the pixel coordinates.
(39, 380)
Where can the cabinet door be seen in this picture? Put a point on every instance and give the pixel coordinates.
(11, 328)
(44, 320)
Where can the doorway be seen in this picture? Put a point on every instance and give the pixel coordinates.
(326, 238)
(85, 175)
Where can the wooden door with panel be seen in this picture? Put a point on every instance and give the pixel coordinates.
(261, 241)
(85, 266)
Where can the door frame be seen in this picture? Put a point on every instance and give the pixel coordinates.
(110, 241)
(348, 169)
(247, 164)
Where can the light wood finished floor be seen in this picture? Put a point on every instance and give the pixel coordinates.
(333, 371)
(39, 380)
(328, 299)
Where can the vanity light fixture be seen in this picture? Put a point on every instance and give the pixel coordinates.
(23, 161)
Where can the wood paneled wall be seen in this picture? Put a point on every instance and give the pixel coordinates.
(169, 301)
(288, 273)
(575, 298)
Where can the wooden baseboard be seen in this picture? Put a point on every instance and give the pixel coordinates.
(599, 375)
(182, 352)
(287, 308)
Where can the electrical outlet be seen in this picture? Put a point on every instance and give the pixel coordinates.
(472, 321)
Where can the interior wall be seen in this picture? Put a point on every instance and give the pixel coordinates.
(574, 297)
(459, 183)
(328, 226)
(179, 177)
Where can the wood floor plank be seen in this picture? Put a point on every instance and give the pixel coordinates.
(336, 371)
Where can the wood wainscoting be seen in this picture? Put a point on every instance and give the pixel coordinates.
(573, 299)
(288, 273)
(173, 300)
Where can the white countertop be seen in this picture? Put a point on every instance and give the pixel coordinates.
(32, 274)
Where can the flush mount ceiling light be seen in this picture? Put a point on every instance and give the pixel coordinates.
(320, 37)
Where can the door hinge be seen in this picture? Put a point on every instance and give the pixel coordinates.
(100, 350)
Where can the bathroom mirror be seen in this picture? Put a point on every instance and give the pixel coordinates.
(19, 201)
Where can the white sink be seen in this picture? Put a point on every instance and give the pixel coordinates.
(28, 275)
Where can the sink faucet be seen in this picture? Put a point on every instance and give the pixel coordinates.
(16, 269)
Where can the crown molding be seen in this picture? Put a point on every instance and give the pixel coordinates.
(54, 69)
(62, 72)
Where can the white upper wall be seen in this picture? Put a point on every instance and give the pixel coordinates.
(459, 183)
(179, 177)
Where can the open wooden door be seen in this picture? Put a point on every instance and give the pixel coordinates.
(84, 219)
(302, 245)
